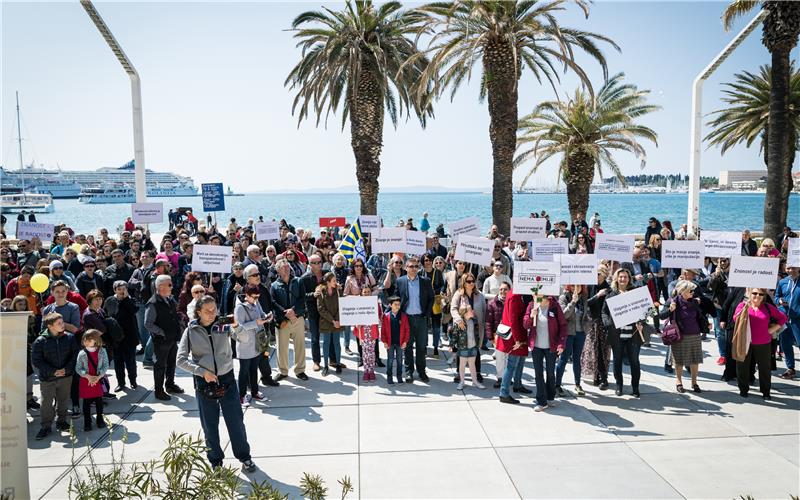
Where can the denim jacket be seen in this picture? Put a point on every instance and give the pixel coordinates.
(82, 365)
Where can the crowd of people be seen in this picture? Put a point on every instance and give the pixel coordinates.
(137, 304)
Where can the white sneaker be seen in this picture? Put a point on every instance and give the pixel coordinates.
(539, 408)
(245, 401)
(460, 386)
(479, 385)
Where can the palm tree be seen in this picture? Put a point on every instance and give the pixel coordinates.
(506, 37)
(355, 57)
(584, 132)
(780, 33)
(746, 116)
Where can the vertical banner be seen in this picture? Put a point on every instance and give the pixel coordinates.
(13, 419)
(213, 197)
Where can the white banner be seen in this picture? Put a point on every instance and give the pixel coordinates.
(677, 254)
(390, 239)
(545, 250)
(358, 310)
(267, 231)
(416, 243)
(754, 272)
(618, 247)
(793, 255)
(370, 224)
(721, 243)
(13, 421)
(528, 228)
(470, 226)
(578, 269)
(212, 259)
(28, 230)
(543, 274)
(629, 307)
(147, 213)
(475, 250)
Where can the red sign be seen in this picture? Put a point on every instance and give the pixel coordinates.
(331, 221)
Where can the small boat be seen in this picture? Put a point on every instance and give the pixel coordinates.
(107, 194)
(32, 203)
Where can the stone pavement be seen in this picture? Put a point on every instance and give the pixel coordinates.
(430, 441)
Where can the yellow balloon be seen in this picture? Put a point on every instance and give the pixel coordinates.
(76, 247)
(39, 282)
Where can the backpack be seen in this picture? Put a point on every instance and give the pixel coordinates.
(114, 330)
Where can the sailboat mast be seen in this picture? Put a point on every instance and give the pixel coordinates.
(19, 140)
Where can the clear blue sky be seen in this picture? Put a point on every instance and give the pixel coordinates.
(215, 107)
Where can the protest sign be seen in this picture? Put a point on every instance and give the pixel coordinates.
(677, 254)
(370, 224)
(753, 272)
(469, 226)
(528, 228)
(332, 221)
(267, 231)
(390, 239)
(28, 230)
(721, 243)
(530, 274)
(147, 213)
(475, 250)
(213, 197)
(212, 259)
(415, 243)
(578, 269)
(545, 250)
(358, 310)
(618, 247)
(629, 307)
(793, 255)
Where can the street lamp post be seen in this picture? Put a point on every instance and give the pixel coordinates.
(693, 215)
(136, 97)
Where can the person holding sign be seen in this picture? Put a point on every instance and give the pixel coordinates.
(547, 333)
(468, 309)
(327, 296)
(684, 309)
(626, 339)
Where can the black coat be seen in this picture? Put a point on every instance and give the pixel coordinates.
(125, 314)
(51, 353)
(85, 284)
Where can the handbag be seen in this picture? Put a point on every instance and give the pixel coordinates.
(503, 331)
(671, 333)
(437, 304)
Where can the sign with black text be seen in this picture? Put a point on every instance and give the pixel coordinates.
(358, 310)
(793, 254)
(721, 243)
(469, 226)
(578, 269)
(545, 275)
(268, 230)
(147, 213)
(753, 272)
(390, 239)
(629, 307)
(416, 243)
(528, 228)
(475, 250)
(28, 230)
(370, 224)
(617, 247)
(212, 259)
(545, 250)
(679, 254)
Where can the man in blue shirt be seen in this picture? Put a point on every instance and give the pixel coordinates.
(416, 296)
(787, 296)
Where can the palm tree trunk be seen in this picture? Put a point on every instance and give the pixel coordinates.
(501, 74)
(776, 201)
(578, 177)
(366, 138)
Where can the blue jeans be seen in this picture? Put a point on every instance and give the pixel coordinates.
(545, 380)
(144, 335)
(248, 375)
(514, 366)
(395, 354)
(326, 345)
(789, 337)
(719, 333)
(574, 348)
(231, 412)
(313, 327)
(436, 329)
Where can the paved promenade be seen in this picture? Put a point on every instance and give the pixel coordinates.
(430, 441)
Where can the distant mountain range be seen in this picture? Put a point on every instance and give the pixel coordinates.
(404, 189)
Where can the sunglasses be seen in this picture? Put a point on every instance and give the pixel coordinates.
(756, 294)
(196, 292)
(88, 266)
(254, 296)
(469, 281)
(413, 266)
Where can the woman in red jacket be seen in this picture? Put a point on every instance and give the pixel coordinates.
(515, 346)
(547, 333)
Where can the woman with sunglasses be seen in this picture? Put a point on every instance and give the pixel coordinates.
(394, 272)
(250, 320)
(684, 308)
(361, 282)
(185, 296)
(468, 309)
(580, 244)
(71, 263)
(763, 320)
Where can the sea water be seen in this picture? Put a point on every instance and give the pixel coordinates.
(619, 213)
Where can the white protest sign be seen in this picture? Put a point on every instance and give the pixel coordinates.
(416, 243)
(358, 310)
(528, 228)
(677, 254)
(212, 259)
(28, 230)
(475, 250)
(618, 247)
(721, 243)
(545, 250)
(13, 421)
(469, 226)
(793, 255)
(370, 224)
(546, 275)
(147, 213)
(390, 239)
(267, 231)
(629, 307)
(753, 272)
(578, 269)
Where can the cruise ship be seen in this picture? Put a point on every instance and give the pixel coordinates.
(72, 183)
